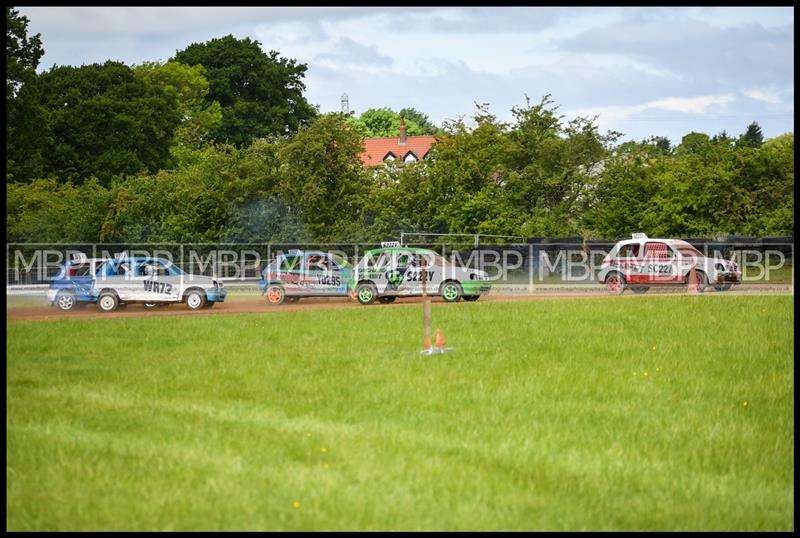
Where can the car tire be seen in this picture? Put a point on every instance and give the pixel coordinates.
(640, 289)
(195, 299)
(150, 305)
(471, 298)
(292, 299)
(702, 281)
(723, 287)
(275, 295)
(451, 291)
(366, 293)
(615, 283)
(66, 301)
(387, 300)
(107, 302)
(209, 304)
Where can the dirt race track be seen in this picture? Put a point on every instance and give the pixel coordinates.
(258, 305)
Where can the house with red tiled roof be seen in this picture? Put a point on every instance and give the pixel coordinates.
(401, 150)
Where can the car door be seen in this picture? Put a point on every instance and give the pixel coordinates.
(325, 275)
(290, 274)
(151, 282)
(659, 263)
(629, 260)
(117, 276)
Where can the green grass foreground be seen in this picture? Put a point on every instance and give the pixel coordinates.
(641, 413)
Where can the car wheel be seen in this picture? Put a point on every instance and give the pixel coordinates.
(107, 302)
(471, 297)
(640, 289)
(615, 283)
(702, 281)
(292, 299)
(66, 301)
(210, 304)
(275, 295)
(195, 300)
(366, 292)
(387, 300)
(723, 287)
(451, 291)
(150, 305)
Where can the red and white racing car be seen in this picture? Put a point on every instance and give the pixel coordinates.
(642, 262)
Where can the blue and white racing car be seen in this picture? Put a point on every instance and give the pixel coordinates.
(112, 283)
(300, 273)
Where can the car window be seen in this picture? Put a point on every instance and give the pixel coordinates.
(629, 251)
(406, 259)
(690, 252)
(376, 261)
(657, 250)
(316, 262)
(291, 263)
(153, 268)
(81, 269)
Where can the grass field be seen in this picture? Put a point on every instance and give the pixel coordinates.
(641, 413)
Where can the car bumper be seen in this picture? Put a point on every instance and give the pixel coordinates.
(216, 295)
(724, 278)
(80, 294)
(476, 287)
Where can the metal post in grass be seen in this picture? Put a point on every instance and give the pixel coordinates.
(426, 306)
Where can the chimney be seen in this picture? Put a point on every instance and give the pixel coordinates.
(403, 136)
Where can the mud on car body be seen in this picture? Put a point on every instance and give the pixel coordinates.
(153, 282)
(300, 273)
(642, 262)
(390, 272)
(73, 286)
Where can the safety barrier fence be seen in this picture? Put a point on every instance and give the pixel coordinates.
(535, 261)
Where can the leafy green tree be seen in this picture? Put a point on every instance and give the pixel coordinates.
(753, 137)
(260, 94)
(422, 121)
(104, 121)
(323, 180)
(381, 123)
(45, 211)
(693, 143)
(199, 202)
(22, 52)
(189, 87)
(25, 135)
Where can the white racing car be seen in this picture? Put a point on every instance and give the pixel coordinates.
(394, 271)
(642, 262)
(153, 282)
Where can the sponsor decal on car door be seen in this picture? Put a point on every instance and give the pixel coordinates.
(157, 282)
(324, 276)
(659, 264)
(405, 275)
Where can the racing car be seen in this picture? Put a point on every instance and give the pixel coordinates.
(72, 286)
(394, 271)
(642, 262)
(300, 273)
(153, 281)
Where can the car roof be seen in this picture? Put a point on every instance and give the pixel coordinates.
(391, 250)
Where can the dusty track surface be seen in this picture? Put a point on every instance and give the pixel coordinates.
(258, 305)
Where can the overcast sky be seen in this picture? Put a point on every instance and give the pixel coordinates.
(644, 71)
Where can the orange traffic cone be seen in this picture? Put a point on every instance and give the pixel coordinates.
(427, 342)
(692, 287)
(439, 339)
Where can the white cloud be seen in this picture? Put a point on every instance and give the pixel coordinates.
(760, 95)
(684, 105)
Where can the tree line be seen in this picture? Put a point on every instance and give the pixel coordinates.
(219, 144)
